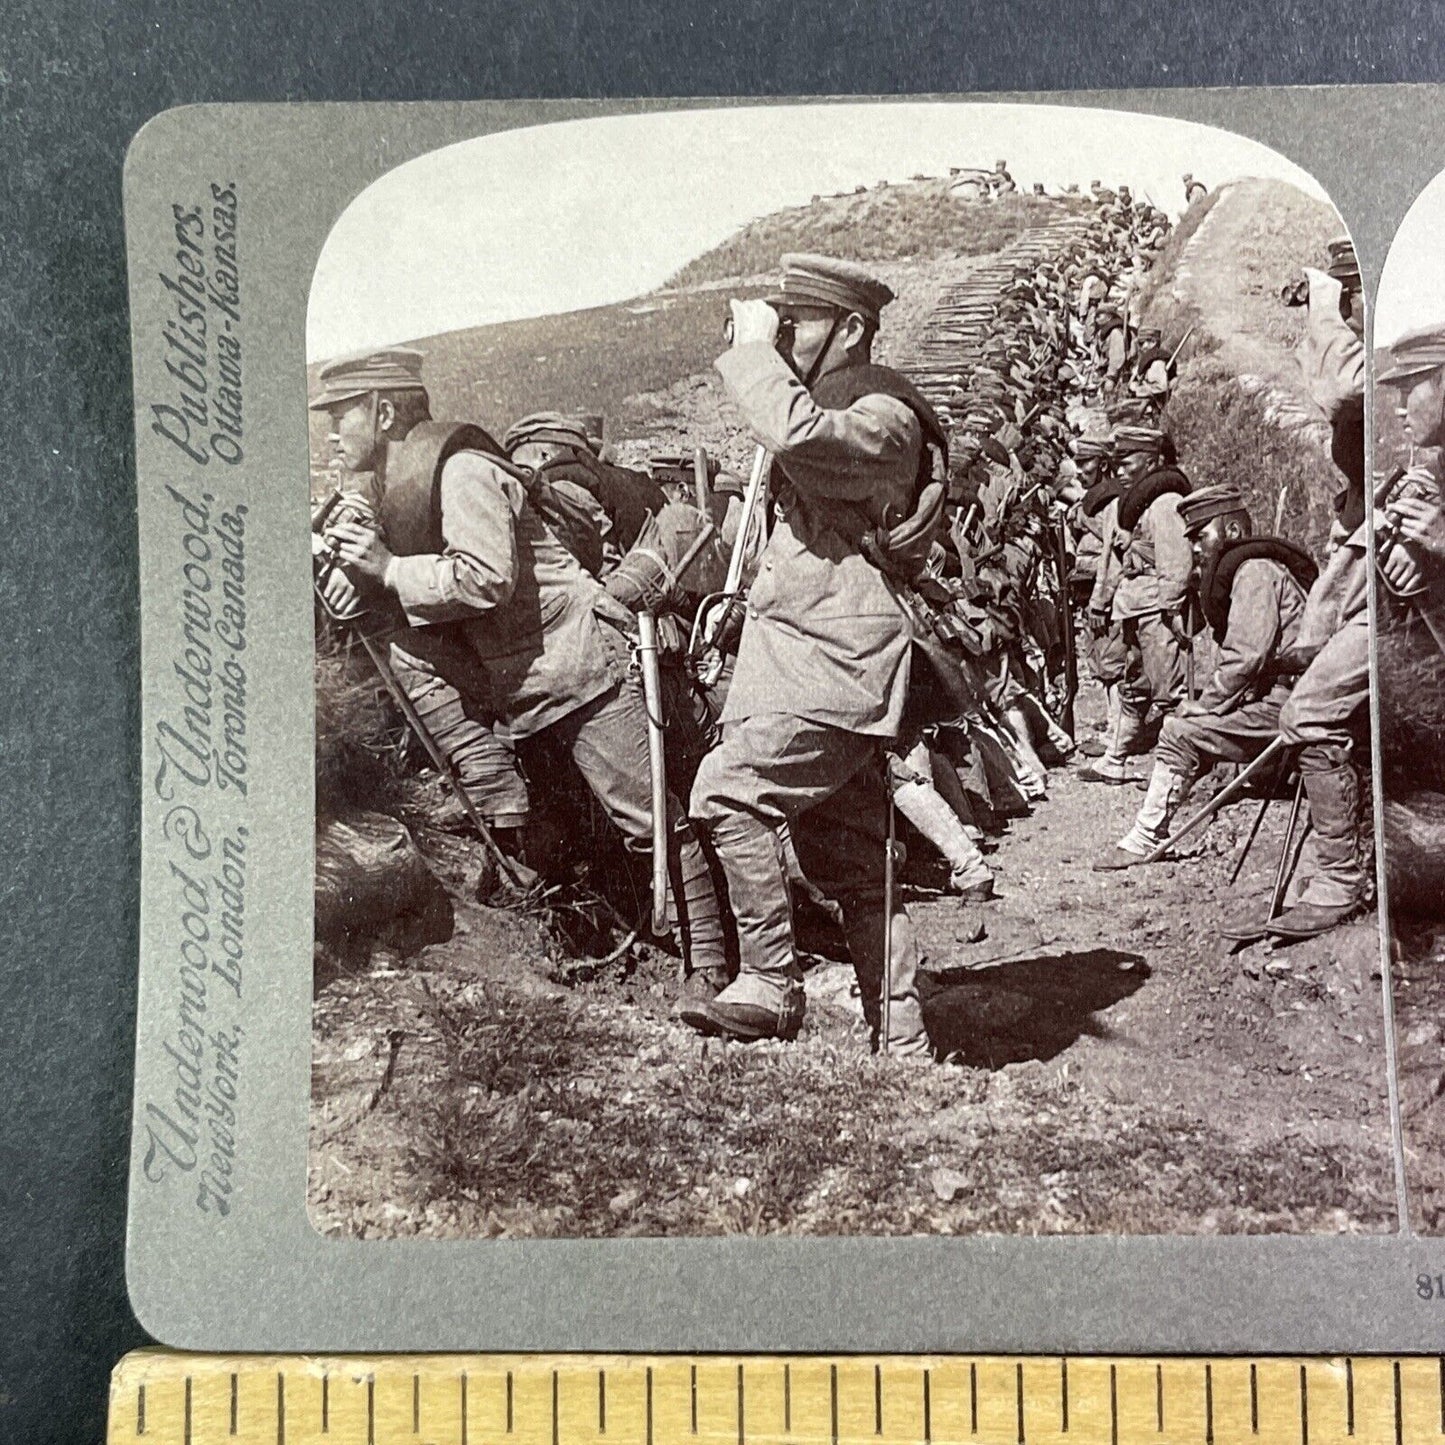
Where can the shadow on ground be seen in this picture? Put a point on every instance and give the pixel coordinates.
(1027, 1008)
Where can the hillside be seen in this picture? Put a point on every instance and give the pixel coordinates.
(597, 360)
(882, 223)
(1240, 410)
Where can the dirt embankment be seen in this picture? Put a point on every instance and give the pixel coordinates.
(1241, 409)
(1115, 1069)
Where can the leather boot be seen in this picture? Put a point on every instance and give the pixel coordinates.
(765, 1000)
(926, 810)
(1151, 825)
(863, 925)
(1338, 887)
(1113, 768)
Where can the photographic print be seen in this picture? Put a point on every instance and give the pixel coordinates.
(841, 685)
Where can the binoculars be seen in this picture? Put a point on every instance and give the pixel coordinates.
(787, 329)
(1297, 292)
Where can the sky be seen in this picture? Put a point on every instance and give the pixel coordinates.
(590, 212)
(1412, 283)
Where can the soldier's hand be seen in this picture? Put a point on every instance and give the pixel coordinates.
(340, 593)
(361, 548)
(753, 321)
(1402, 571)
(1422, 524)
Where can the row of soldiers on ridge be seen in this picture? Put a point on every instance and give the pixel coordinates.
(900, 625)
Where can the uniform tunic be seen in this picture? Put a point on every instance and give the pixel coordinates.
(528, 610)
(1237, 714)
(824, 638)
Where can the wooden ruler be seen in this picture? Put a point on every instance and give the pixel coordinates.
(169, 1398)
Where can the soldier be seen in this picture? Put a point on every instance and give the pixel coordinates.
(1333, 359)
(822, 670)
(1111, 345)
(1153, 579)
(1003, 183)
(1150, 379)
(1416, 371)
(1252, 591)
(458, 548)
(439, 675)
(614, 502)
(1193, 190)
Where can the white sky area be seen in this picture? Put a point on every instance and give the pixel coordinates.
(1412, 283)
(590, 212)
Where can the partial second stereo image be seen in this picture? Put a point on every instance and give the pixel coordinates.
(1409, 335)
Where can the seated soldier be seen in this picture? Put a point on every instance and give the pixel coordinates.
(1150, 380)
(1252, 591)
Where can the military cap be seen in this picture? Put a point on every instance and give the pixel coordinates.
(1201, 507)
(1087, 449)
(1150, 333)
(1415, 354)
(398, 368)
(1130, 440)
(1343, 264)
(1000, 165)
(593, 423)
(810, 280)
(546, 426)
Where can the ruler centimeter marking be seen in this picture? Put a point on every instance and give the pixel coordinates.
(161, 1397)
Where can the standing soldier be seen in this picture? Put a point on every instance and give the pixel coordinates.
(1252, 591)
(458, 548)
(822, 669)
(1333, 358)
(1153, 580)
(1193, 190)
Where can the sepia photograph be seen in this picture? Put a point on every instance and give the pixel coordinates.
(842, 666)
(1409, 430)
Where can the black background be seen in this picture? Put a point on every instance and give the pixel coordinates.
(76, 82)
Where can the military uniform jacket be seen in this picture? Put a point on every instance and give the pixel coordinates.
(1113, 541)
(1266, 606)
(1157, 563)
(824, 638)
(533, 617)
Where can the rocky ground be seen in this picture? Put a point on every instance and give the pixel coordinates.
(1114, 1069)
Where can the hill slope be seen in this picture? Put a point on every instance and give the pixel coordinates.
(1241, 410)
(883, 223)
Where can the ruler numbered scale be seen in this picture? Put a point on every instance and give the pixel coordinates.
(170, 1398)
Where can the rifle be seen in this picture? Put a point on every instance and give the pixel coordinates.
(711, 669)
(1174, 355)
(1066, 627)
